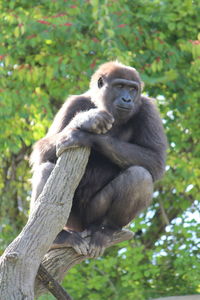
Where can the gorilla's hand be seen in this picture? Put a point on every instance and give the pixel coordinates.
(72, 138)
(94, 121)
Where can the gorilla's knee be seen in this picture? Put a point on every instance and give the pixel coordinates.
(142, 183)
(140, 175)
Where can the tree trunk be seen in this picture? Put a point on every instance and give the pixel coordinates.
(20, 262)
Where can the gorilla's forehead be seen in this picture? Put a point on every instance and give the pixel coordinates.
(124, 73)
(112, 70)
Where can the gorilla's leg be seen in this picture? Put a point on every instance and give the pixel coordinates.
(66, 238)
(39, 179)
(117, 204)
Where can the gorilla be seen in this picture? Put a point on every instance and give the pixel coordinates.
(128, 148)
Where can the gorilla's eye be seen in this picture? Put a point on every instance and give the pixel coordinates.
(120, 86)
(100, 82)
(131, 89)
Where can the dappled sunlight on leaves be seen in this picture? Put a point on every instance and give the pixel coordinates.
(49, 49)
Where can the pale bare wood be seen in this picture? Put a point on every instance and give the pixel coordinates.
(20, 261)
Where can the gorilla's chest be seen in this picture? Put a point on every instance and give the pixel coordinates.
(122, 132)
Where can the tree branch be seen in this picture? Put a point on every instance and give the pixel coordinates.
(20, 262)
(51, 284)
(59, 261)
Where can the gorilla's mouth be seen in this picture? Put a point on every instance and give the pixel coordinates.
(123, 108)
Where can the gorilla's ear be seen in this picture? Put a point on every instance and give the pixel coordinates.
(100, 82)
(142, 85)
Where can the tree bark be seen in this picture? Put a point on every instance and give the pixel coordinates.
(20, 262)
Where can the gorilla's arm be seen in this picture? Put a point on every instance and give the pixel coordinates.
(45, 149)
(146, 148)
(126, 154)
(148, 153)
(148, 145)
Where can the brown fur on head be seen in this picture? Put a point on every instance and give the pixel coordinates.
(115, 69)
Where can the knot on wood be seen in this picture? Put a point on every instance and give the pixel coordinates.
(12, 256)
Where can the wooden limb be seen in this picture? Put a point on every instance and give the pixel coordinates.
(20, 262)
(52, 285)
(57, 262)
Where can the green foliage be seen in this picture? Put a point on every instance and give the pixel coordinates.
(48, 50)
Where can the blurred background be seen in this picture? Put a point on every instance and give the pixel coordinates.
(48, 50)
